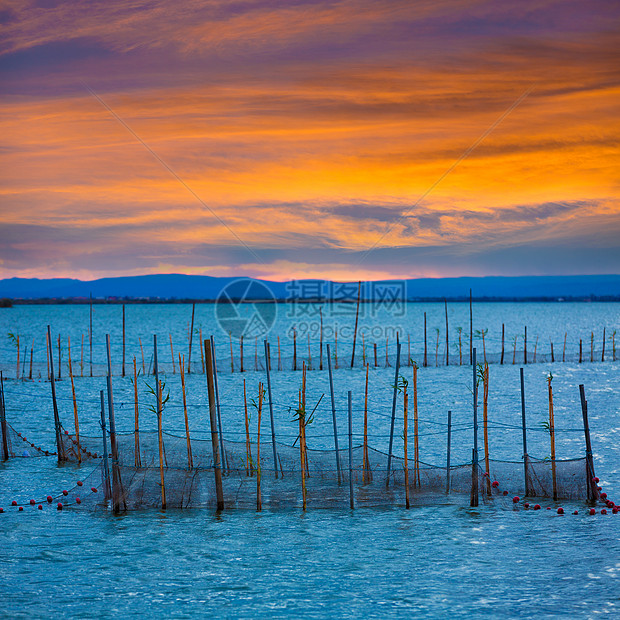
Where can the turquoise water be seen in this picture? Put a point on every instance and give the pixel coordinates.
(440, 558)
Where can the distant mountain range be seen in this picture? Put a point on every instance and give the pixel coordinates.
(181, 287)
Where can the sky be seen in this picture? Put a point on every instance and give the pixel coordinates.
(343, 139)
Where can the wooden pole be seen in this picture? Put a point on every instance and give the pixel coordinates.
(190, 459)
(333, 400)
(603, 350)
(256, 353)
(445, 301)
(202, 352)
(90, 331)
(363, 351)
(248, 449)
(425, 344)
(123, 368)
(552, 437)
(580, 351)
(75, 409)
(552, 355)
(217, 404)
(59, 358)
(321, 340)
(394, 395)
(309, 354)
(405, 464)
(416, 447)
(159, 423)
(535, 347)
(172, 355)
(136, 449)
(241, 352)
(367, 476)
(471, 328)
(302, 456)
(81, 358)
(273, 426)
(357, 312)
(336, 349)
(525, 346)
(474, 462)
(593, 493)
(528, 491)
(501, 359)
(351, 497)
(375, 347)
(591, 347)
(31, 354)
(408, 350)
(485, 417)
(232, 360)
(106, 467)
(279, 356)
(217, 466)
(448, 447)
(387, 359)
(259, 498)
(564, 348)
(191, 336)
(294, 349)
(3, 427)
(117, 486)
(60, 448)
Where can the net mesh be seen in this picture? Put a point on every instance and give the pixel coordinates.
(327, 485)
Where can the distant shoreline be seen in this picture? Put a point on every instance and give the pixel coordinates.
(49, 301)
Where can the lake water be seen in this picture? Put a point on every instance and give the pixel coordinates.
(440, 557)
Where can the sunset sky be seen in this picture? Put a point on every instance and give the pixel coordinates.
(309, 139)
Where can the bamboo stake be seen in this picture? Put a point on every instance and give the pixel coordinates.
(75, 409)
(172, 356)
(294, 349)
(309, 354)
(333, 401)
(564, 349)
(336, 350)
(552, 355)
(394, 395)
(552, 437)
(271, 419)
(425, 344)
(259, 499)
(279, 356)
(460, 347)
(190, 459)
(241, 351)
(591, 346)
(535, 347)
(408, 350)
(501, 360)
(514, 350)
(159, 424)
(387, 359)
(191, 336)
(406, 465)
(416, 449)
(255, 353)
(363, 350)
(528, 492)
(302, 456)
(367, 475)
(375, 347)
(202, 351)
(525, 346)
(603, 352)
(59, 358)
(471, 328)
(90, 331)
(123, 367)
(136, 449)
(217, 404)
(142, 353)
(445, 301)
(248, 450)
(217, 466)
(60, 448)
(437, 349)
(357, 312)
(106, 470)
(321, 340)
(81, 357)
(47, 357)
(485, 418)
(3, 426)
(474, 461)
(580, 350)
(232, 361)
(31, 354)
(351, 497)
(117, 485)
(448, 449)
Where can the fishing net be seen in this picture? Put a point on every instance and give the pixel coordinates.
(189, 480)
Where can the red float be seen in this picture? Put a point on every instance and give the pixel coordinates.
(49, 499)
(59, 506)
(536, 506)
(65, 492)
(603, 512)
(495, 484)
(592, 511)
(32, 502)
(78, 500)
(93, 489)
(20, 508)
(515, 499)
(40, 507)
(79, 483)
(13, 503)
(560, 510)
